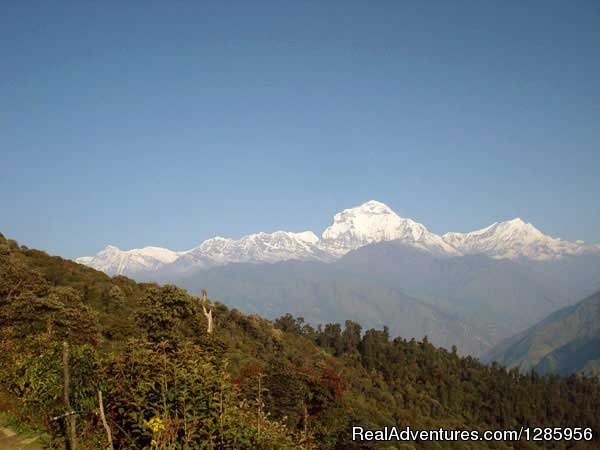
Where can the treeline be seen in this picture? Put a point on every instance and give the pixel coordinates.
(251, 383)
(459, 386)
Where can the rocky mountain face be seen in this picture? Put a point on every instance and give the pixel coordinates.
(351, 229)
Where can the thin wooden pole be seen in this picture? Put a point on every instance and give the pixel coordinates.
(104, 422)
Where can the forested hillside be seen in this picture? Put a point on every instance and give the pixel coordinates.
(167, 382)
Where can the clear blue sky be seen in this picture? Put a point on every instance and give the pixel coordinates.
(164, 123)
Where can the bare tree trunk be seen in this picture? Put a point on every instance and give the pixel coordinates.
(70, 418)
(104, 422)
(207, 313)
(209, 318)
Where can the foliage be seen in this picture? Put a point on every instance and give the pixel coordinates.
(181, 398)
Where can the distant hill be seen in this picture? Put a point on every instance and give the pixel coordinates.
(581, 355)
(502, 292)
(565, 342)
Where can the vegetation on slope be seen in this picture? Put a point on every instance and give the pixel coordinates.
(252, 383)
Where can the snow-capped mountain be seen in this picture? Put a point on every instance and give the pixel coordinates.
(263, 247)
(217, 251)
(259, 247)
(514, 239)
(114, 261)
(374, 221)
(351, 229)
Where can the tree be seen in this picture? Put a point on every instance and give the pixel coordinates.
(351, 336)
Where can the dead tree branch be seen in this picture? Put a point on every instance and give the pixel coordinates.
(104, 422)
(207, 313)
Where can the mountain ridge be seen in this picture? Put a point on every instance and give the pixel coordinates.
(563, 342)
(351, 229)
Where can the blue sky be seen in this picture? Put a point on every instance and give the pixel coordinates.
(164, 123)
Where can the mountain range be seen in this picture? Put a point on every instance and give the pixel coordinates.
(473, 290)
(351, 229)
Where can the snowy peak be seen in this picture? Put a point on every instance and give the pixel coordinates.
(371, 207)
(514, 239)
(374, 221)
(259, 247)
(517, 229)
